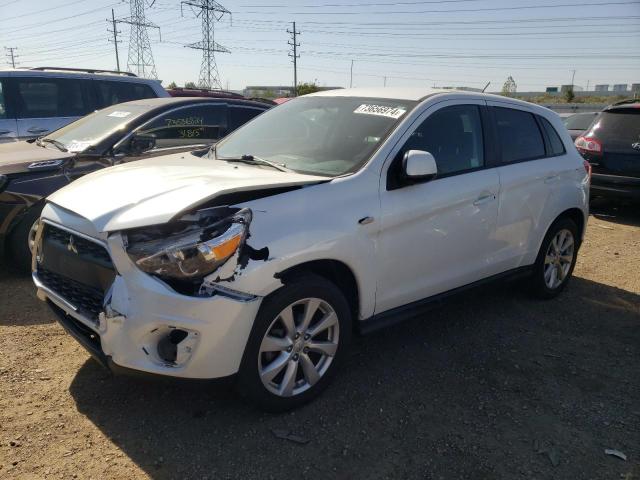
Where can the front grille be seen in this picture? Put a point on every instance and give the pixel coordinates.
(83, 246)
(86, 299)
(77, 269)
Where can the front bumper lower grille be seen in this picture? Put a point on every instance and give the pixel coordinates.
(75, 268)
(87, 300)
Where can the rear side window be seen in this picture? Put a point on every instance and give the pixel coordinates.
(112, 92)
(198, 124)
(556, 147)
(51, 97)
(519, 135)
(238, 116)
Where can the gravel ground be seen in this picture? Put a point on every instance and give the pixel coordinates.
(493, 385)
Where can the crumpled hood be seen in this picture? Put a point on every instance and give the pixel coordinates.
(15, 157)
(151, 192)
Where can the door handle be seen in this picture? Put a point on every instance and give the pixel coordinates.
(37, 130)
(4, 132)
(484, 199)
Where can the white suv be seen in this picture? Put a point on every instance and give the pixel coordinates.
(336, 212)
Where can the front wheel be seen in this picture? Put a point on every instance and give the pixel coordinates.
(297, 342)
(556, 259)
(22, 239)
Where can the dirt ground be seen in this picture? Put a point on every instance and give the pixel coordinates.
(493, 385)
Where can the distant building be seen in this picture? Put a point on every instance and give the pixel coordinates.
(575, 88)
(620, 87)
(635, 87)
(275, 91)
(552, 90)
(602, 88)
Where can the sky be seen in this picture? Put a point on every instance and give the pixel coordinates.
(396, 43)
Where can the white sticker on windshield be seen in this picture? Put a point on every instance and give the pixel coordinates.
(77, 146)
(119, 114)
(381, 110)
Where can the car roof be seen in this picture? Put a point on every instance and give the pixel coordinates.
(419, 94)
(79, 73)
(164, 101)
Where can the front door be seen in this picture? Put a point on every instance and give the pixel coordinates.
(436, 235)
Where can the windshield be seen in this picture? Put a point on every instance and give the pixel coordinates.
(90, 130)
(579, 121)
(327, 136)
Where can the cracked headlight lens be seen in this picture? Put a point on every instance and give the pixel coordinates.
(193, 246)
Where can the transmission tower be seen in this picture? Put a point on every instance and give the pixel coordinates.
(140, 59)
(210, 13)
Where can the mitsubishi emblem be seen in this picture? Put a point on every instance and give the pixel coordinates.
(71, 246)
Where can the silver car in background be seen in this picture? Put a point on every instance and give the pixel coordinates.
(37, 101)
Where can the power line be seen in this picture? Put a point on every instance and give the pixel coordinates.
(42, 10)
(294, 56)
(490, 9)
(210, 12)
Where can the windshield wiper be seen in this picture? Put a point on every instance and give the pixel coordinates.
(59, 145)
(253, 160)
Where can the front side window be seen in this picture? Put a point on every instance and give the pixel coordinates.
(453, 135)
(198, 124)
(520, 137)
(51, 97)
(320, 135)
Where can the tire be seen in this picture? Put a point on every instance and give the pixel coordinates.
(546, 285)
(288, 354)
(18, 246)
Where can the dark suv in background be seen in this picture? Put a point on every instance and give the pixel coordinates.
(612, 146)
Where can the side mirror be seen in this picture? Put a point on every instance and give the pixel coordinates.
(418, 165)
(141, 143)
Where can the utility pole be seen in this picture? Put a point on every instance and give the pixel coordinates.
(115, 37)
(140, 57)
(351, 79)
(210, 13)
(11, 55)
(294, 55)
(573, 76)
(385, 81)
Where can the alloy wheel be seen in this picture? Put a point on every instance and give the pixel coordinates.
(559, 258)
(298, 347)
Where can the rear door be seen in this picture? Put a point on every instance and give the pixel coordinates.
(618, 131)
(531, 170)
(46, 103)
(8, 124)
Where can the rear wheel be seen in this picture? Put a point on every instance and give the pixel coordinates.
(556, 259)
(298, 340)
(21, 240)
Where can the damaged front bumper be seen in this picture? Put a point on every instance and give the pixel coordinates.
(146, 326)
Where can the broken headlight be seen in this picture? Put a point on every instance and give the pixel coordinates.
(191, 247)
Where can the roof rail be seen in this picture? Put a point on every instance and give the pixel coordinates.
(624, 102)
(85, 70)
